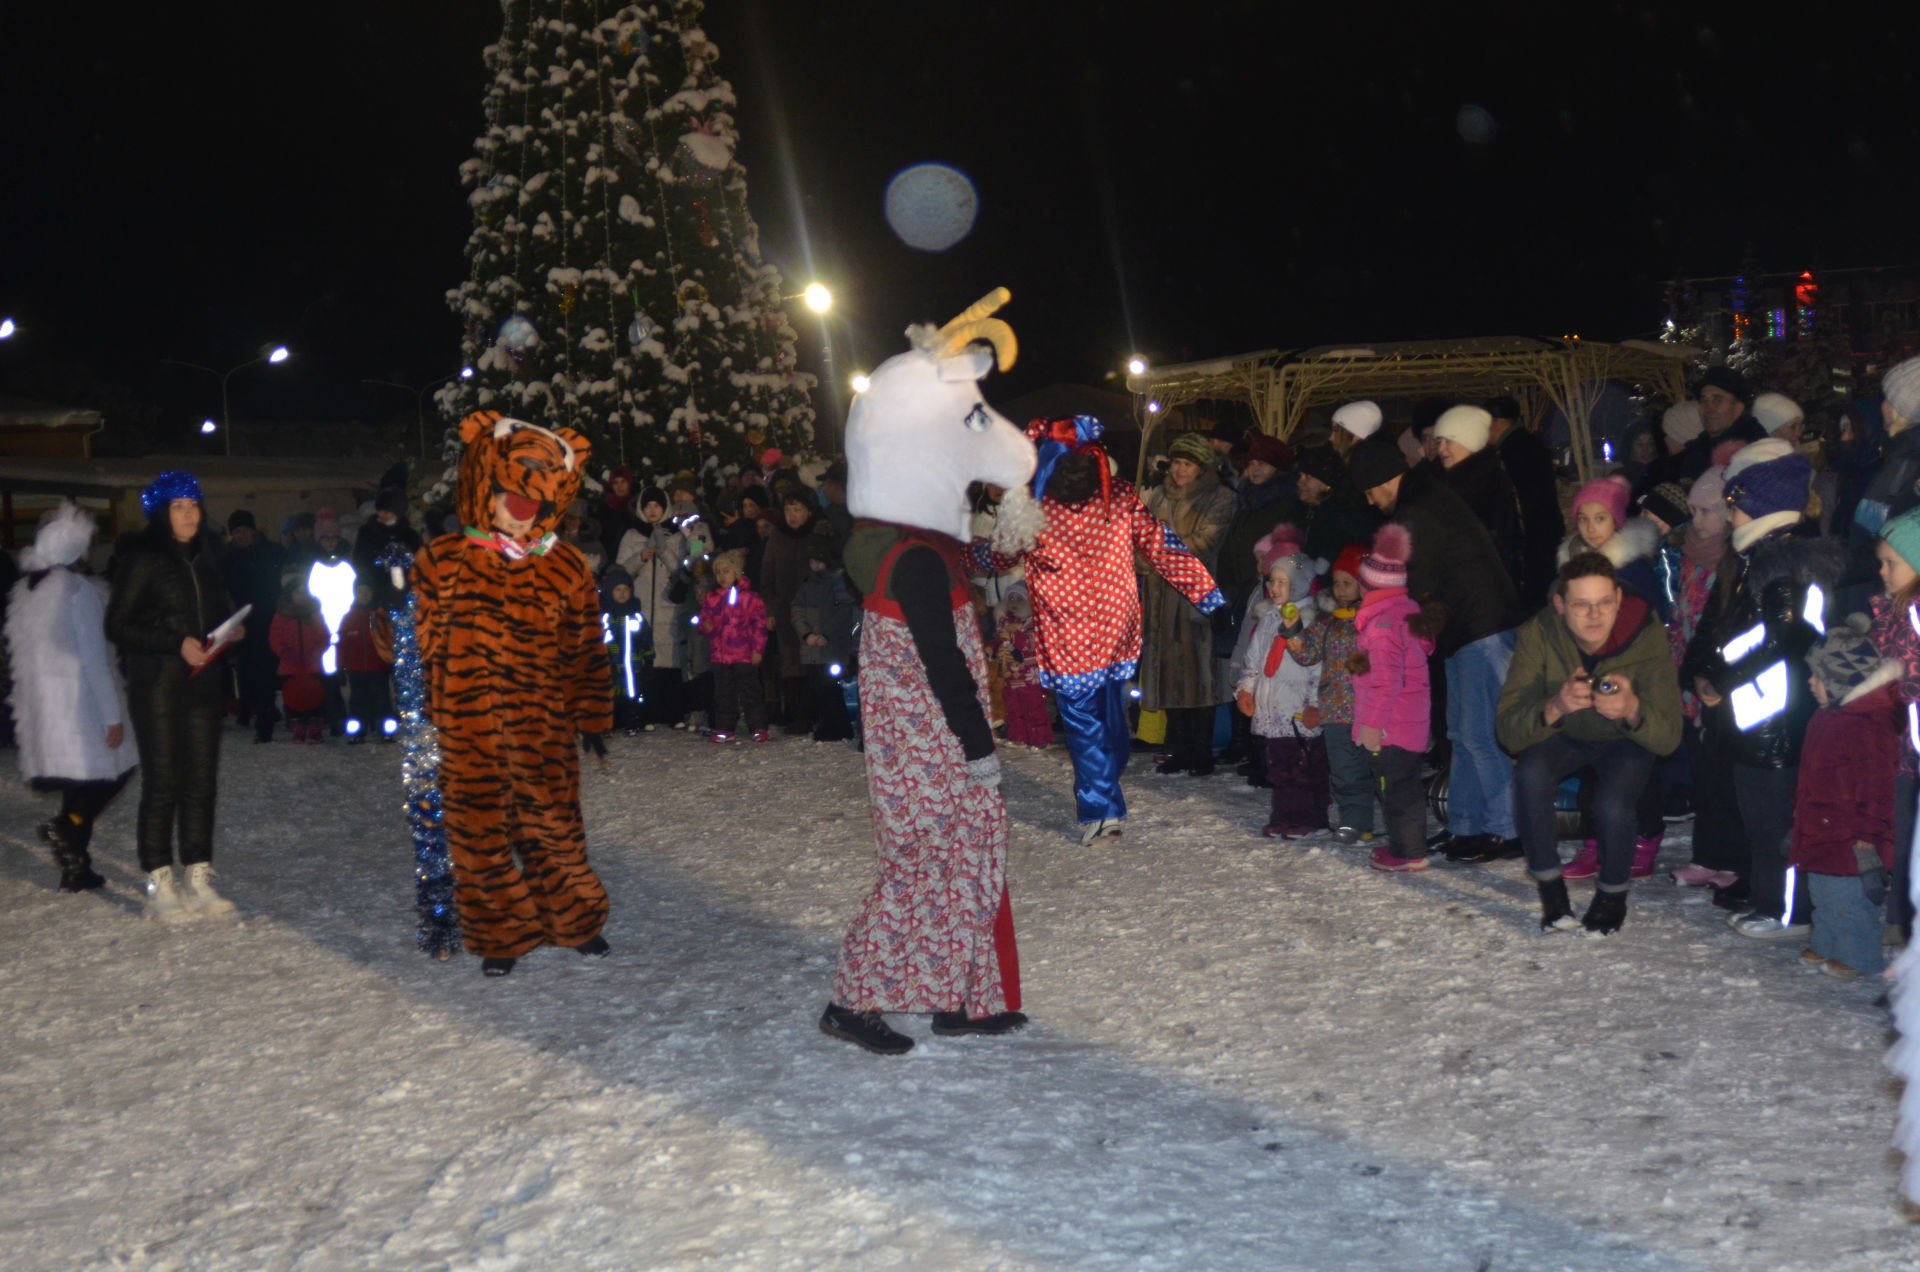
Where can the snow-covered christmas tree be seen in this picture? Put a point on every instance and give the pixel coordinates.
(616, 284)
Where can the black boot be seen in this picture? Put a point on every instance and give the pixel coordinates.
(1607, 912)
(958, 1022)
(1556, 911)
(597, 947)
(70, 854)
(495, 968)
(866, 1029)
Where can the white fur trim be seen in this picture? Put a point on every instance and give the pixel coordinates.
(1638, 538)
(63, 536)
(1018, 526)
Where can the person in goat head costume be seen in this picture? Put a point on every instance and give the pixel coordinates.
(1081, 576)
(936, 933)
(509, 629)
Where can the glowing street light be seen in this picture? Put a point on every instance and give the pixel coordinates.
(1136, 365)
(272, 354)
(208, 428)
(420, 398)
(817, 298)
(7, 328)
(861, 382)
(1153, 408)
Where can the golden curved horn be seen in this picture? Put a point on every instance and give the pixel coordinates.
(981, 308)
(976, 323)
(992, 330)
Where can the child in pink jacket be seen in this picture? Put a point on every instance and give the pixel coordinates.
(299, 639)
(1391, 700)
(734, 619)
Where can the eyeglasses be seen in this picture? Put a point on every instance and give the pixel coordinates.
(1594, 607)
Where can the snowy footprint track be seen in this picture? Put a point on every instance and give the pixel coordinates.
(1244, 1053)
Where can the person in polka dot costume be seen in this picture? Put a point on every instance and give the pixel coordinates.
(1086, 603)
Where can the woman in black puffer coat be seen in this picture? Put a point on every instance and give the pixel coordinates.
(168, 595)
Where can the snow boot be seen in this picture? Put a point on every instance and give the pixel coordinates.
(866, 1029)
(1585, 863)
(1556, 911)
(1382, 859)
(1605, 913)
(953, 1023)
(495, 968)
(1646, 853)
(199, 896)
(596, 948)
(76, 864)
(163, 898)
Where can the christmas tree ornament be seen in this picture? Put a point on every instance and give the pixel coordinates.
(517, 334)
(569, 297)
(693, 294)
(931, 206)
(708, 238)
(641, 330)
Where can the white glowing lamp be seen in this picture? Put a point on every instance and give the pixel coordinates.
(861, 382)
(1136, 365)
(278, 355)
(817, 298)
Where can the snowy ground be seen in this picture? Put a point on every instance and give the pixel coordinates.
(1246, 1054)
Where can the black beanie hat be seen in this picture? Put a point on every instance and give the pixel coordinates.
(240, 517)
(1727, 380)
(653, 494)
(1667, 501)
(1323, 465)
(1375, 462)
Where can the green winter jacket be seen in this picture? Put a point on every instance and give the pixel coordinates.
(1544, 655)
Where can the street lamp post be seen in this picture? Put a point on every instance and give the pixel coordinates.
(275, 356)
(420, 398)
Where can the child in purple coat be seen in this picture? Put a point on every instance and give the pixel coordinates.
(734, 619)
(1391, 698)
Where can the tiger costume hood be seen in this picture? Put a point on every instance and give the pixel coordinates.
(528, 461)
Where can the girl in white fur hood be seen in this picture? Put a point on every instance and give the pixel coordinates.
(1279, 693)
(68, 704)
(1601, 524)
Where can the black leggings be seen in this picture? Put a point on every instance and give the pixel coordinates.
(81, 804)
(179, 765)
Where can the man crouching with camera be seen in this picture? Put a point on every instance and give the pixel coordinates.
(1592, 685)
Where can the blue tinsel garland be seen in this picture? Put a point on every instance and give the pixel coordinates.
(439, 933)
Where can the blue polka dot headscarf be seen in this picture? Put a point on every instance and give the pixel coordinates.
(168, 487)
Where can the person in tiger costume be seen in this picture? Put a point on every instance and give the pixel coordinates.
(509, 630)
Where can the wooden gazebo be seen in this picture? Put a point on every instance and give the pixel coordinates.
(1280, 386)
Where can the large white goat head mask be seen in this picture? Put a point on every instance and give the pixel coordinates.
(922, 433)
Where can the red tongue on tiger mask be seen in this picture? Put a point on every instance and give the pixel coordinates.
(520, 507)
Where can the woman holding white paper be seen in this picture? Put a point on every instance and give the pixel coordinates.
(167, 597)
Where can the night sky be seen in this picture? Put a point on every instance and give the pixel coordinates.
(1187, 180)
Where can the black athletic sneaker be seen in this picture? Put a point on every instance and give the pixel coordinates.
(866, 1029)
(958, 1022)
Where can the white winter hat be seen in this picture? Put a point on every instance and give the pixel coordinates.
(1764, 451)
(1681, 423)
(1901, 388)
(1361, 418)
(1468, 426)
(1775, 411)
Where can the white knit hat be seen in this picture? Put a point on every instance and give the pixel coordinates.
(1764, 451)
(1361, 418)
(1775, 411)
(1468, 426)
(1681, 423)
(1901, 387)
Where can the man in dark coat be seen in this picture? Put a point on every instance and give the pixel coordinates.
(251, 567)
(389, 526)
(1529, 466)
(1332, 514)
(1454, 561)
(1724, 398)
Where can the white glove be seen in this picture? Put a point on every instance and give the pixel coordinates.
(985, 771)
